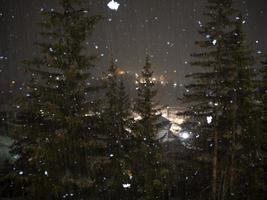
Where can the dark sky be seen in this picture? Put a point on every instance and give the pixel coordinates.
(166, 29)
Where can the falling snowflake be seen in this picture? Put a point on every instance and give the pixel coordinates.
(209, 119)
(113, 5)
(126, 185)
(199, 23)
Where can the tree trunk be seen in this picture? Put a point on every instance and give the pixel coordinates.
(231, 173)
(215, 164)
(235, 130)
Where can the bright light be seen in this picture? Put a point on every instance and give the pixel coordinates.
(121, 72)
(175, 128)
(185, 135)
(113, 5)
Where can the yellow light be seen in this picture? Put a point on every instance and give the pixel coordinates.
(121, 72)
(162, 78)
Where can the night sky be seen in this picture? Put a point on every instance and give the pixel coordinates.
(166, 29)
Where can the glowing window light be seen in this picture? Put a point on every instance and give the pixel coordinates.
(184, 135)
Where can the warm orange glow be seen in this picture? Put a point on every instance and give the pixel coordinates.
(120, 72)
(162, 78)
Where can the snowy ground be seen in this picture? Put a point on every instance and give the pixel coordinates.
(5, 142)
(170, 113)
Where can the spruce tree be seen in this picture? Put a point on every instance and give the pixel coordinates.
(149, 173)
(205, 95)
(253, 170)
(263, 91)
(244, 172)
(117, 122)
(238, 110)
(263, 121)
(54, 142)
(222, 104)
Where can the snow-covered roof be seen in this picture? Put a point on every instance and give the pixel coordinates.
(162, 121)
(5, 143)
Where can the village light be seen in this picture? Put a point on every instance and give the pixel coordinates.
(184, 135)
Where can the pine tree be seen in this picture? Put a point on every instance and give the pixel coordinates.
(238, 109)
(262, 91)
(149, 173)
(222, 106)
(54, 142)
(263, 129)
(117, 123)
(244, 172)
(252, 166)
(205, 96)
(118, 104)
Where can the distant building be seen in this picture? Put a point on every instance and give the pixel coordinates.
(5, 143)
(164, 130)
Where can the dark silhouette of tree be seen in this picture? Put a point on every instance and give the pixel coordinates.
(117, 124)
(53, 141)
(149, 172)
